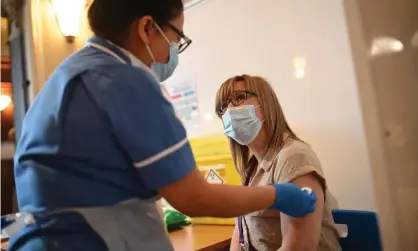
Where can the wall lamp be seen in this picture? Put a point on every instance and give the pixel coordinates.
(68, 13)
(4, 102)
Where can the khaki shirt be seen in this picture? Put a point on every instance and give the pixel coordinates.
(262, 229)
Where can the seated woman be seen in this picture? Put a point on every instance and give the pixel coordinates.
(265, 150)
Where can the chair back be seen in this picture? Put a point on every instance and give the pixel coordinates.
(363, 230)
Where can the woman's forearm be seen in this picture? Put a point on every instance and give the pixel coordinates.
(235, 246)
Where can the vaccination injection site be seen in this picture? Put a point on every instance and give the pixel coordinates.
(209, 125)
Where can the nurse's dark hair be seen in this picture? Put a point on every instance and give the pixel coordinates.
(111, 19)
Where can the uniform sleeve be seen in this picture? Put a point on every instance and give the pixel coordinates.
(298, 164)
(148, 130)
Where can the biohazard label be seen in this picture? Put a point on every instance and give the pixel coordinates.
(214, 174)
(214, 178)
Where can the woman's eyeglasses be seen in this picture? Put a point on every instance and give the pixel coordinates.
(184, 40)
(237, 99)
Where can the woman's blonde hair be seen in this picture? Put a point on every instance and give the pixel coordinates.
(275, 122)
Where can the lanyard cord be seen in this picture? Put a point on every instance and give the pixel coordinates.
(241, 218)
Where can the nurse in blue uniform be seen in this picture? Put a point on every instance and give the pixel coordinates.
(101, 143)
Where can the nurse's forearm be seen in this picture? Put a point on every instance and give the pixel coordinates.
(193, 196)
(231, 201)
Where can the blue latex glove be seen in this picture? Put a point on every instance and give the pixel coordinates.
(293, 201)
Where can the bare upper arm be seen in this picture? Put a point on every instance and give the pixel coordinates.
(303, 233)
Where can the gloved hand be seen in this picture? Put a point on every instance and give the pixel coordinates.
(293, 201)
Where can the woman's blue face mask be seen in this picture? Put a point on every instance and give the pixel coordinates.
(165, 70)
(241, 124)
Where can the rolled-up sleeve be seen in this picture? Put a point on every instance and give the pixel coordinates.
(146, 127)
(298, 164)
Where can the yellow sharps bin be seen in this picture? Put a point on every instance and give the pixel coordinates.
(214, 161)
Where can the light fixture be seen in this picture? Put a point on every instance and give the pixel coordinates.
(68, 14)
(299, 67)
(385, 45)
(4, 102)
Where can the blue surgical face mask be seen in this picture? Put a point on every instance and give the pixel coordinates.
(165, 70)
(241, 124)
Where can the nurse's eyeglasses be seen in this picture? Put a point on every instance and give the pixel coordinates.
(184, 41)
(237, 99)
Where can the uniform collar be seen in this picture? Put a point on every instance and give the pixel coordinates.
(119, 51)
(126, 55)
(134, 60)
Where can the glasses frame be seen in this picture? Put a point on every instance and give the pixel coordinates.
(187, 41)
(231, 101)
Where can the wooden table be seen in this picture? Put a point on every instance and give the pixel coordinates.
(197, 238)
(201, 237)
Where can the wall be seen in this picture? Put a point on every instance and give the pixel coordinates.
(46, 47)
(4, 36)
(389, 88)
(262, 37)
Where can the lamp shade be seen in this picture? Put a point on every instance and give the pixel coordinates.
(68, 14)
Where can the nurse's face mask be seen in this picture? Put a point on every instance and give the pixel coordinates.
(165, 70)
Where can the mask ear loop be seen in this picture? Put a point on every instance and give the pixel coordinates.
(165, 38)
(256, 115)
(150, 53)
(149, 49)
(162, 32)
